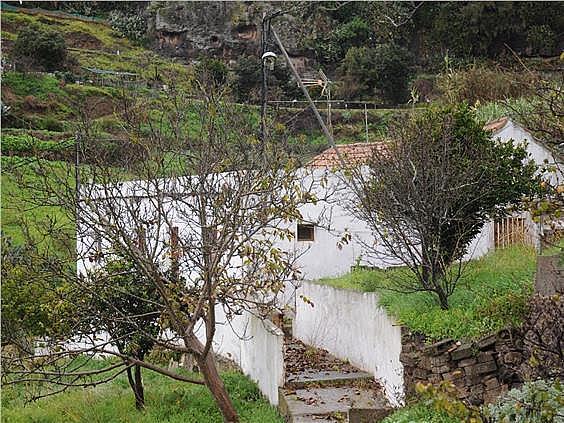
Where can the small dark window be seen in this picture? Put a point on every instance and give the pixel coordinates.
(306, 232)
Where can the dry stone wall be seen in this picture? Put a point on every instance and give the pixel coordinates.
(481, 370)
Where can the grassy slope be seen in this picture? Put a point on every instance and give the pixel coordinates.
(167, 401)
(94, 44)
(492, 294)
(15, 204)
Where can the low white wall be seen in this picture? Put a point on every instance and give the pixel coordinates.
(255, 345)
(352, 326)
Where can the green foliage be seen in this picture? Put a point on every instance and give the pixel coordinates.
(482, 29)
(120, 294)
(441, 179)
(212, 72)
(40, 86)
(383, 71)
(333, 48)
(419, 412)
(130, 25)
(29, 293)
(443, 397)
(477, 84)
(41, 48)
(492, 295)
(167, 401)
(535, 402)
(25, 144)
(542, 40)
(247, 80)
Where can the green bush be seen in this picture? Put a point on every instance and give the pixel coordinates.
(333, 48)
(130, 25)
(535, 402)
(212, 72)
(23, 143)
(541, 40)
(383, 71)
(480, 84)
(36, 47)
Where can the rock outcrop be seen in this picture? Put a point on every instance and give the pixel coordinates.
(226, 30)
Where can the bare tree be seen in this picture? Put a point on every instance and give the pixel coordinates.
(197, 218)
(429, 190)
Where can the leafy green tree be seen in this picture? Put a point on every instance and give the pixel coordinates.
(382, 71)
(432, 189)
(29, 295)
(122, 301)
(38, 48)
(354, 33)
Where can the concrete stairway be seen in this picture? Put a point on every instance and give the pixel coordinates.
(335, 391)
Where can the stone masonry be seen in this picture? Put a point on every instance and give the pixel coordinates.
(480, 370)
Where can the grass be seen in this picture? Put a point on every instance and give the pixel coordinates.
(492, 294)
(419, 412)
(38, 85)
(167, 401)
(15, 206)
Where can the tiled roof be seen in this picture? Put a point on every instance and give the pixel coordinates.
(496, 125)
(351, 153)
(360, 152)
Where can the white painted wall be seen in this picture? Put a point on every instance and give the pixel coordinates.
(539, 153)
(255, 345)
(352, 326)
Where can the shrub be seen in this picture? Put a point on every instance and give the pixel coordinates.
(212, 72)
(23, 144)
(535, 402)
(247, 78)
(383, 71)
(129, 25)
(443, 398)
(541, 40)
(333, 48)
(39, 48)
(479, 83)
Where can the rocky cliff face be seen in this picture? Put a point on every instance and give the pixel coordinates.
(227, 30)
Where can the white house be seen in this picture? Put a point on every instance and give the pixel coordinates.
(318, 245)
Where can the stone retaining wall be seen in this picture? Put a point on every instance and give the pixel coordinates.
(480, 370)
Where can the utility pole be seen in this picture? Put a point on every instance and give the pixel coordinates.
(77, 174)
(366, 121)
(326, 131)
(263, 95)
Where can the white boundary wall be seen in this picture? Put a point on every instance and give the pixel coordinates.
(255, 345)
(352, 326)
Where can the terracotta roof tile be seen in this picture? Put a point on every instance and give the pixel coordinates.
(351, 153)
(360, 152)
(496, 125)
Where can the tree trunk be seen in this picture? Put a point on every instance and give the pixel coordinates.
(214, 383)
(139, 391)
(136, 383)
(443, 299)
(217, 388)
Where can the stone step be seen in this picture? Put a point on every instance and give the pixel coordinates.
(339, 404)
(327, 378)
